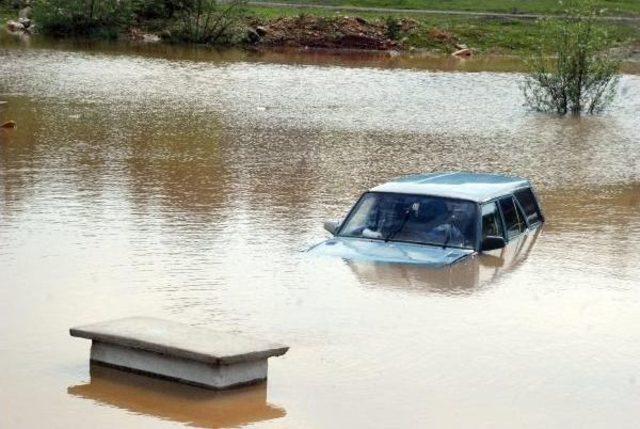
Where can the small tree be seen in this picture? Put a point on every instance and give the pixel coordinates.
(581, 76)
(393, 27)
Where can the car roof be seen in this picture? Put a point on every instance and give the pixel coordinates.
(478, 187)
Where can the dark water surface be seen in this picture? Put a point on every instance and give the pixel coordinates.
(184, 185)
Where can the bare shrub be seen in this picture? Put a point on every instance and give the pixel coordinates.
(210, 21)
(580, 75)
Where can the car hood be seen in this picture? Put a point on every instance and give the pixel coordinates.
(393, 252)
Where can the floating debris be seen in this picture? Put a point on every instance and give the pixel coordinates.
(463, 53)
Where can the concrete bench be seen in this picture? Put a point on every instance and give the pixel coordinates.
(179, 352)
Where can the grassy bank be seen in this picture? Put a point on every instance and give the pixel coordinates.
(611, 7)
(441, 33)
(282, 26)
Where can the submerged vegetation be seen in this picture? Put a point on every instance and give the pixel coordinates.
(582, 74)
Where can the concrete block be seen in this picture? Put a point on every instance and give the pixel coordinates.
(179, 352)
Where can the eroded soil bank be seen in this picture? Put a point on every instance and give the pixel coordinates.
(337, 33)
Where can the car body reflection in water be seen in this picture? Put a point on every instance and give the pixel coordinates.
(167, 400)
(464, 277)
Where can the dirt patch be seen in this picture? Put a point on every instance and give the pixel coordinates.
(330, 32)
(442, 36)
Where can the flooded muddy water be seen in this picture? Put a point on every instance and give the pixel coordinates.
(187, 187)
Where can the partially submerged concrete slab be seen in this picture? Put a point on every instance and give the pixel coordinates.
(180, 352)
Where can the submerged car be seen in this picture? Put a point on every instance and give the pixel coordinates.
(434, 219)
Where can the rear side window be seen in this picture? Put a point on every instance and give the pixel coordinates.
(491, 223)
(528, 202)
(513, 217)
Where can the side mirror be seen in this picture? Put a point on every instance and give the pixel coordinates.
(492, 243)
(332, 226)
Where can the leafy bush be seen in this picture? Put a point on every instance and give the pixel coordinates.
(582, 76)
(209, 21)
(393, 28)
(153, 9)
(103, 18)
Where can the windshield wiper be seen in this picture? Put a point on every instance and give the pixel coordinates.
(405, 219)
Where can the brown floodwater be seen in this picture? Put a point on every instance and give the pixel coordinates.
(186, 184)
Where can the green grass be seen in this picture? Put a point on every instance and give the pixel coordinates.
(7, 13)
(486, 35)
(612, 7)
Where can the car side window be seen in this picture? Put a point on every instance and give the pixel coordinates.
(491, 223)
(528, 202)
(513, 217)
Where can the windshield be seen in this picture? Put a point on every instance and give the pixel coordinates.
(413, 218)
